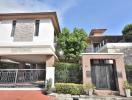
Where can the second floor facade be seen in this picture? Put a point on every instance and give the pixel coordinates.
(29, 27)
(28, 33)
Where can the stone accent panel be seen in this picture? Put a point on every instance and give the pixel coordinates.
(120, 68)
(50, 61)
(24, 30)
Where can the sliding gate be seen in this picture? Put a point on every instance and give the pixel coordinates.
(14, 77)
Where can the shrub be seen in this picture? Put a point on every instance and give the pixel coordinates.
(129, 73)
(130, 87)
(127, 85)
(8, 65)
(69, 88)
(68, 72)
(48, 84)
(88, 86)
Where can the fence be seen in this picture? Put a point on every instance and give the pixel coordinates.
(21, 76)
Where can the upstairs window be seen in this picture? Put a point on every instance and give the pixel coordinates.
(13, 28)
(37, 27)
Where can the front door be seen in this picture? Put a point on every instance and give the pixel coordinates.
(103, 75)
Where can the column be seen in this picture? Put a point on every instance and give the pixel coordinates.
(50, 69)
(121, 74)
(86, 69)
(21, 65)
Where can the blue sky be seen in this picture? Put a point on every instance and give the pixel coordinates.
(87, 14)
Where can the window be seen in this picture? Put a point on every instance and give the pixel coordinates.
(13, 28)
(36, 27)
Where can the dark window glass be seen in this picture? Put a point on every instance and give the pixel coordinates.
(13, 27)
(37, 27)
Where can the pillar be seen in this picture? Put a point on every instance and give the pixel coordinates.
(50, 69)
(21, 65)
(86, 70)
(121, 75)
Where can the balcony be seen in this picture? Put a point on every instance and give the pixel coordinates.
(113, 47)
(26, 51)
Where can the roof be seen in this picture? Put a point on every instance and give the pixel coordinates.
(97, 39)
(97, 31)
(102, 53)
(38, 15)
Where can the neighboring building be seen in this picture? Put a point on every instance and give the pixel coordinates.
(111, 44)
(103, 63)
(28, 39)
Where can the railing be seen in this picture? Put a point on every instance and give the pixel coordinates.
(21, 76)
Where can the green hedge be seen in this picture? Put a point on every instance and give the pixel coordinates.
(68, 73)
(8, 65)
(69, 88)
(129, 72)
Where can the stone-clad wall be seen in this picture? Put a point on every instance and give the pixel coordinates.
(127, 53)
(120, 68)
(24, 30)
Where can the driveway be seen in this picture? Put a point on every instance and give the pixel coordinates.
(23, 95)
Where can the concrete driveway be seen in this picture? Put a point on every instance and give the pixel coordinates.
(23, 95)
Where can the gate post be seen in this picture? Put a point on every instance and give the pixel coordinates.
(86, 69)
(121, 74)
(50, 69)
(16, 76)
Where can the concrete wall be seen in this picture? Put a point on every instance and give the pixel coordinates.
(127, 54)
(125, 48)
(5, 31)
(46, 32)
(50, 70)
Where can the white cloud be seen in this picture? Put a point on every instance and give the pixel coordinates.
(60, 6)
(7, 6)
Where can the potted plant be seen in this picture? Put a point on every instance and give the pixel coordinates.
(88, 88)
(48, 85)
(127, 89)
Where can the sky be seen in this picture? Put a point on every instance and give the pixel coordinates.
(87, 14)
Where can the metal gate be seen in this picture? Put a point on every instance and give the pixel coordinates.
(21, 76)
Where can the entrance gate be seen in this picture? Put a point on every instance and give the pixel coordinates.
(103, 74)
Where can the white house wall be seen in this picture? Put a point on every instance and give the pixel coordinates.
(41, 44)
(5, 31)
(46, 32)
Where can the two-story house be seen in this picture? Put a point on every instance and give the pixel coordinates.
(104, 61)
(28, 40)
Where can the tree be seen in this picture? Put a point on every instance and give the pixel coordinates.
(127, 30)
(72, 44)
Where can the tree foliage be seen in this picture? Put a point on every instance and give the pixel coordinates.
(127, 30)
(72, 43)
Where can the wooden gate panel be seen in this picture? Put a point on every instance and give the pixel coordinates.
(103, 76)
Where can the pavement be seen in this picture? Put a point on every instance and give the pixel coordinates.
(23, 95)
(86, 97)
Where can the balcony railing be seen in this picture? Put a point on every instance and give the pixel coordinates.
(17, 77)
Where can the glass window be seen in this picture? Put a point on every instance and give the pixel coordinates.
(13, 27)
(37, 27)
